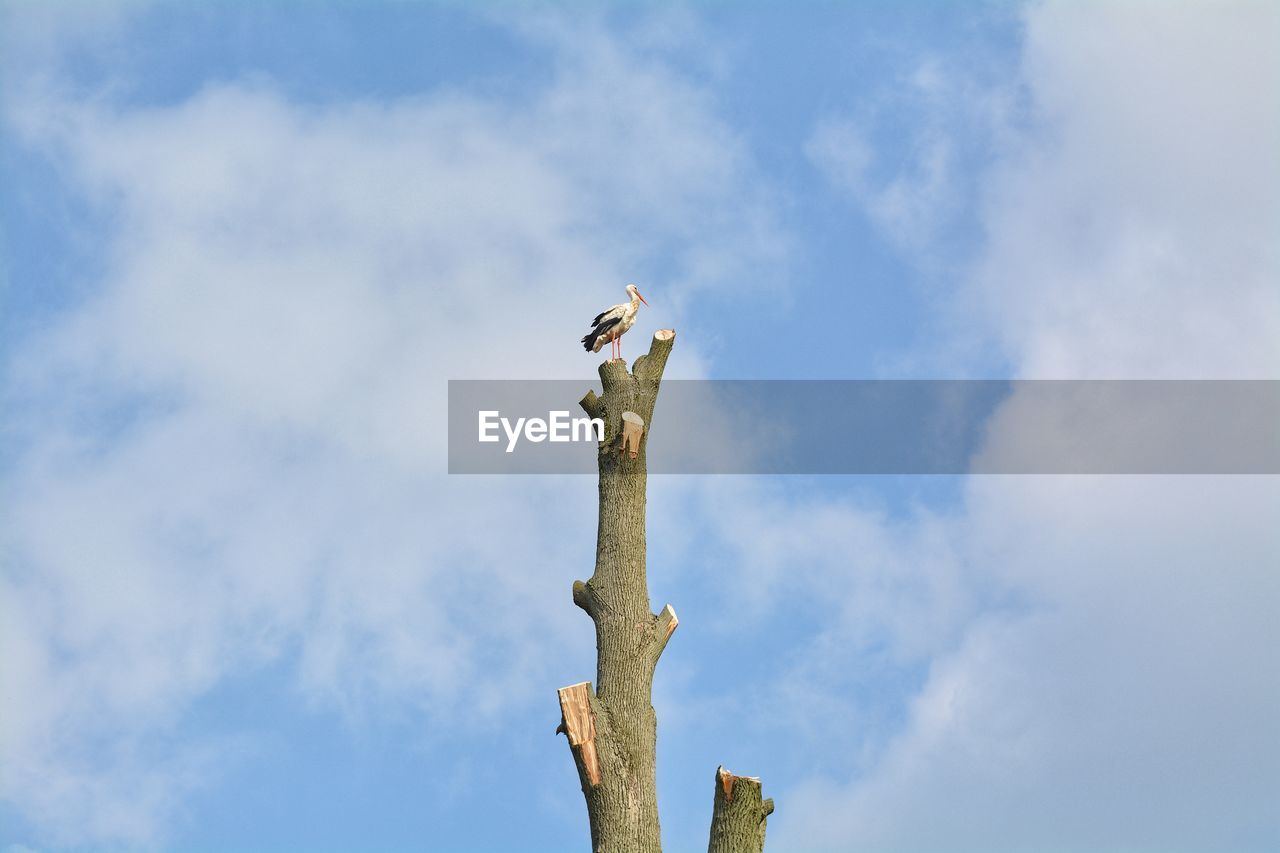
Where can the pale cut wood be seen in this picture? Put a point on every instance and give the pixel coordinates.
(667, 618)
(727, 779)
(632, 431)
(580, 725)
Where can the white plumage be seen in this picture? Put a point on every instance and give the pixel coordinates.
(612, 323)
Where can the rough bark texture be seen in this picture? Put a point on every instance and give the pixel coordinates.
(623, 807)
(738, 815)
(612, 731)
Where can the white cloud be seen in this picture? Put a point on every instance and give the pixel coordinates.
(1123, 705)
(232, 451)
(1133, 234)
(230, 458)
(1128, 700)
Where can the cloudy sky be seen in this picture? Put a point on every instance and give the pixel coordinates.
(243, 247)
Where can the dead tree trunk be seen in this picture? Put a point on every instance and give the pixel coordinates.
(738, 815)
(612, 731)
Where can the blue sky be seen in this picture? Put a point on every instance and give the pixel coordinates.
(245, 245)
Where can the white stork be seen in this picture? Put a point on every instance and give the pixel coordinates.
(612, 324)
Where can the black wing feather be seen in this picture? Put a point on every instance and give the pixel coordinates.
(589, 341)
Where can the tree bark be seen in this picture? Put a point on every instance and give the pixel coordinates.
(738, 815)
(612, 731)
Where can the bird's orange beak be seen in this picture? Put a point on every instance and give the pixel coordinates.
(641, 298)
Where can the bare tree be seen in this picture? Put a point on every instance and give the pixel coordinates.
(612, 731)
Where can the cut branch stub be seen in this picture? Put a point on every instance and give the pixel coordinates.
(668, 621)
(738, 816)
(666, 625)
(632, 432)
(649, 367)
(579, 725)
(591, 404)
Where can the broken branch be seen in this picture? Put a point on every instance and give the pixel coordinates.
(738, 816)
(580, 726)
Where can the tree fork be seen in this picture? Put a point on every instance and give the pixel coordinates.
(612, 731)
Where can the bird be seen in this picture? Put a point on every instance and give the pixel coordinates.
(611, 324)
